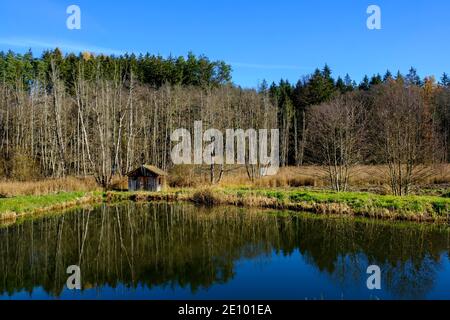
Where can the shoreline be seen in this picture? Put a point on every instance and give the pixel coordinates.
(49, 203)
(354, 204)
(422, 209)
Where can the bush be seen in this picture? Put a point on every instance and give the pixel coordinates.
(182, 177)
(24, 168)
(119, 183)
(205, 197)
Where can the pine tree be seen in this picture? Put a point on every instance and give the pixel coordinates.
(412, 78)
(445, 80)
(326, 72)
(340, 85)
(399, 78)
(320, 87)
(365, 84)
(263, 87)
(349, 83)
(388, 76)
(376, 80)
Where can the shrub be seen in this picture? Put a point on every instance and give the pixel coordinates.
(182, 177)
(206, 197)
(23, 167)
(119, 183)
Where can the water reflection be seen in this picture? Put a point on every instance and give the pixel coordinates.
(175, 246)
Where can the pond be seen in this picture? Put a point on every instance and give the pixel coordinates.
(180, 251)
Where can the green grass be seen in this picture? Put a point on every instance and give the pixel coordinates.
(414, 207)
(27, 204)
(359, 202)
(423, 208)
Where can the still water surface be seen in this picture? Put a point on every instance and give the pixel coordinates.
(179, 251)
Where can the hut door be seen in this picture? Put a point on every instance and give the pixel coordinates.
(158, 184)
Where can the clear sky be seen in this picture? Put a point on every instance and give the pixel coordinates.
(261, 39)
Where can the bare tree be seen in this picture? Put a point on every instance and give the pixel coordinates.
(405, 139)
(337, 138)
(104, 125)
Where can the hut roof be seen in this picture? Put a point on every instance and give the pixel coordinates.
(150, 168)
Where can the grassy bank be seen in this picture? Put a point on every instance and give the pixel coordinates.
(413, 208)
(12, 208)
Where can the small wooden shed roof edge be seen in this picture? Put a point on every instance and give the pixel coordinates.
(150, 168)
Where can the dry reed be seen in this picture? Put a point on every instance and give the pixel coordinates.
(46, 186)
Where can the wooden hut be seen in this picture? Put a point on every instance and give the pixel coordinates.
(146, 178)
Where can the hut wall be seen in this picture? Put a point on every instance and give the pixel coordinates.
(145, 180)
(145, 183)
(132, 184)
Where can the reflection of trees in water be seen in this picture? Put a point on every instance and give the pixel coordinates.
(182, 245)
(409, 256)
(160, 244)
(411, 280)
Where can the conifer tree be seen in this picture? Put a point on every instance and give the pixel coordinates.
(376, 80)
(445, 80)
(365, 84)
(412, 78)
(387, 76)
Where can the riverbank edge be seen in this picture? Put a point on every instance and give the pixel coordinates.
(411, 208)
(367, 205)
(25, 206)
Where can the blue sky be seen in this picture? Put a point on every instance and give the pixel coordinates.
(261, 39)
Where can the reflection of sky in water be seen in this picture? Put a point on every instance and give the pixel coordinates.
(284, 277)
(173, 251)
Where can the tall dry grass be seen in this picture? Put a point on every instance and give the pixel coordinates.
(46, 186)
(197, 177)
(364, 177)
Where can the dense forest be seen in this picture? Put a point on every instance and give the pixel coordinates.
(102, 115)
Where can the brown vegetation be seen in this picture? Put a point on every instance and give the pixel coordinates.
(46, 186)
(364, 178)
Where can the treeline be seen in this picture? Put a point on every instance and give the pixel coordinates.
(147, 69)
(402, 122)
(295, 101)
(104, 115)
